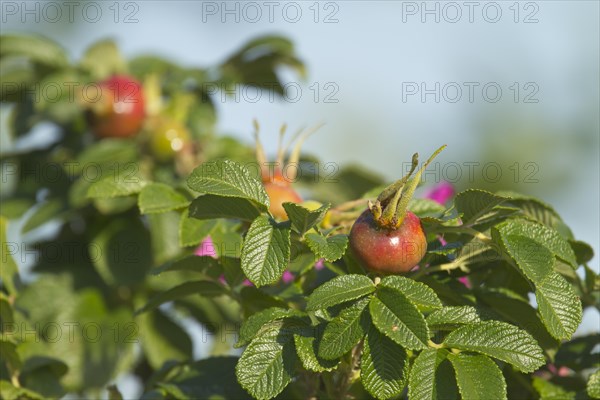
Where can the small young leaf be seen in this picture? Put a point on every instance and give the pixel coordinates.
(559, 306)
(331, 248)
(431, 377)
(397, 318)
(265, 252)
(344, 331)
(255, 322)
(211, 206)
(384, 366)
(158, 198)
(307, 347)
(267, 365)
(448, 318)
(478, 377)
(499, 340)
(229, 179)
(418, 293)
(303, 219)
(339, 290)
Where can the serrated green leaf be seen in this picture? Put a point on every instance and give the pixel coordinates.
(475, 204)
(201, 288)
(478, 377)
(229, 179)
(426, 208)
(538, 210)
(255, 322)
(115, 186)
(265, 251)
(499, 340)
(211, 206)
(307, 347)
(339, 290)
(192, 231)
(267, 365)
(399, 319)
(384, 366)
(593, 385)
(535, 261)
(200, 264)
(344, 331)
(559, 306)
(431, 377)
(158, 198)
(550, 391)
(547, 237)
(418, 293)
(448, 318)
(516, 310)
(303, 219)
(331, 248)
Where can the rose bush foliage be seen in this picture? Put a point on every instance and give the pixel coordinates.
(120, 250)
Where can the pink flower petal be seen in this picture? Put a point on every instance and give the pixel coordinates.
(222, 279)
(206, 248)
(465, 281)
(440, 193)
(287, 277)
(247, 283)
(320, 264)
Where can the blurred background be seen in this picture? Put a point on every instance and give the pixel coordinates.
(511, 87)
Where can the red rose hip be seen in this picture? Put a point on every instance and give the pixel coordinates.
(119, 112)
(388, 251)
(387, 238)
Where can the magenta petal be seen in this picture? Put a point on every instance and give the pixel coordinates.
(465, 281)
(206, 248)
(320, 264)
(222, 279)
(440, 193)
(287, 276)
(247, 283)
